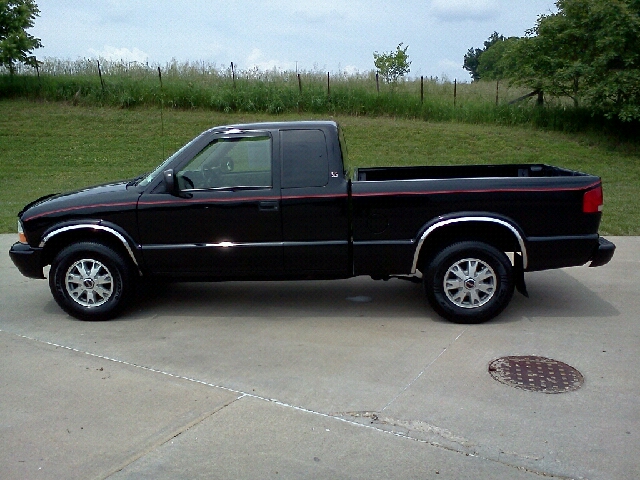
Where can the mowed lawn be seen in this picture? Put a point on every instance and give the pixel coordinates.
(55, 147)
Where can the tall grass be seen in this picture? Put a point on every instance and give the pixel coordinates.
(202, 85)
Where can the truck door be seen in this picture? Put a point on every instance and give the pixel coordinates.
(227, 221)
(315, 220)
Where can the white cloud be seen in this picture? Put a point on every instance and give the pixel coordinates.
(257, 59)
(456, 10)
(451, 70)
(116, 54)
(254, 56)
(448, 64)
(351, 70)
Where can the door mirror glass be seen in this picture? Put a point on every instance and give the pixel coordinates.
(170, 182)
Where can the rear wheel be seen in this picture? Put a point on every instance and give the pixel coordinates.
(90, 281)
(469, 282)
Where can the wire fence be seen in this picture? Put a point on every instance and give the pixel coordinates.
(213, 74)
(205, 85)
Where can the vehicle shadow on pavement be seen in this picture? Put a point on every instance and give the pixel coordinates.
(555, 293)
(551, 294)
(284, 299)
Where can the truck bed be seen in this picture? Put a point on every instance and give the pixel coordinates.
(377, 174)
(542, 202)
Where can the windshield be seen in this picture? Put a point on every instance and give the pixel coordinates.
(161, 167)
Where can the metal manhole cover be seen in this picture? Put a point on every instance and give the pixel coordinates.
(536, 374)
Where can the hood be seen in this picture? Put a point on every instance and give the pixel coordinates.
(101, 196)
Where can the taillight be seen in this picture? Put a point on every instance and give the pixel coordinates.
(592, 201)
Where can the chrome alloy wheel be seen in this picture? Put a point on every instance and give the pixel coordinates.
(89, 283)
(470, 283)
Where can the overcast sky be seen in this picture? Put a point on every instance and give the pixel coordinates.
(332, 35)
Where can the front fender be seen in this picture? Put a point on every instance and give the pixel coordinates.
(96, 226)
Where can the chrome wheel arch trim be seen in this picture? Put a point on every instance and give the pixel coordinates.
(102, 228)
(451, 221)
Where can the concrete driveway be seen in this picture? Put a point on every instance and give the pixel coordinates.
(335, 379)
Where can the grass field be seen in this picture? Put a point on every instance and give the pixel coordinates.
(53, 147)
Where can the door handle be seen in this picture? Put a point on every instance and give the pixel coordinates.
(268, 206)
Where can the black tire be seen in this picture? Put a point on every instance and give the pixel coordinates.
(90, 281)
(469, 282)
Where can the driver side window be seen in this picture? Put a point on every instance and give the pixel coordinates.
(229, 163)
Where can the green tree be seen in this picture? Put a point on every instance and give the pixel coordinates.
(392, 65)
(589, 51)
(16, 45)
(492, 64)
(472, 57)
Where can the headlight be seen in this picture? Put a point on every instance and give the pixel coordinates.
(21, 236)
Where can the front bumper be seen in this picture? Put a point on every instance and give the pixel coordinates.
(603, 253)
(27, 259)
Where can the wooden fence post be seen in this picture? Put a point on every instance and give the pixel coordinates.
(455, 91)
(161, 110)
(39, 80)
(299, 84)
(233, 75)
(100, 75)
(328, 85)
(421, 89)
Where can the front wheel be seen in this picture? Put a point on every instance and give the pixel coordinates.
(89, 281)
(469, 282)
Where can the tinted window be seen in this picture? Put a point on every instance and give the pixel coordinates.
(304, 158)
(228, 163)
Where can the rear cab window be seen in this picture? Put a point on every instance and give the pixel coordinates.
(305, 160)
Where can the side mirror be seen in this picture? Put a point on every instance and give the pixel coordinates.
(170, 182)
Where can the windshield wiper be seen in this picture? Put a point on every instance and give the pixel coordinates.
(136, 180)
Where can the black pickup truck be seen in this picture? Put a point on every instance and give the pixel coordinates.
(273, 201)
